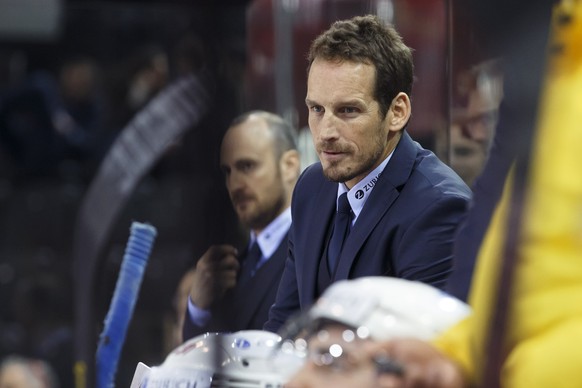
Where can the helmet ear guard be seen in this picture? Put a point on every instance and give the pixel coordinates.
(231, 360)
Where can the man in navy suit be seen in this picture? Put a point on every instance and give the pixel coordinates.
(228, 291)
(405, 204)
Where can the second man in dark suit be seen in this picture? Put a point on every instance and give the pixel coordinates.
(233, 291)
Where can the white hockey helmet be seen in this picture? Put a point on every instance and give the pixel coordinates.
(390, 307)
(234, 360)
(381, 308)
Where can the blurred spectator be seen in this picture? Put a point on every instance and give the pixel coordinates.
(189, 55)
(20, 372)
(41, 310)
(479, 93)
(136, 80)
(84, 105)
(49, 119)
(150, 75)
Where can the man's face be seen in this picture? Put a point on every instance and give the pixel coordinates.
(481, 120)
(252, 173)
(350, 136)
(472, 132)
(334, 359)
(467, 156)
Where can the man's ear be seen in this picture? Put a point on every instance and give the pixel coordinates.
(290, 165)
(399, 112)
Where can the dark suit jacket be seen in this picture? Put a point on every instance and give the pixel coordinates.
(245, 307)
(406, 228)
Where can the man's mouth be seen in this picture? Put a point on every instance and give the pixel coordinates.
(241, 201)
(333, 155)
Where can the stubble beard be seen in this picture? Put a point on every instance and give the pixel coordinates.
(263, 215)
(361, 167)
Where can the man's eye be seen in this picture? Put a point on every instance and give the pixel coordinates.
(316, 109)
(349, 110)
(246, 167)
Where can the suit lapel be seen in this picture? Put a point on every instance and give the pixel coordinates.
(318, 228)
(381, 199)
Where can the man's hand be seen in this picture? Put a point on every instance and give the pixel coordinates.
(215, 273)
(423, 365)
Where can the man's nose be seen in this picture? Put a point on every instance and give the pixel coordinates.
(235, 181)
(328, 127)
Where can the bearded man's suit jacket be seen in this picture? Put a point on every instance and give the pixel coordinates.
(246, 306)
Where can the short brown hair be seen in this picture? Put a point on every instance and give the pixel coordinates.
(368, 40)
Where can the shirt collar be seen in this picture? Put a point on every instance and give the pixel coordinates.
(270, 237)
(359, 194)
